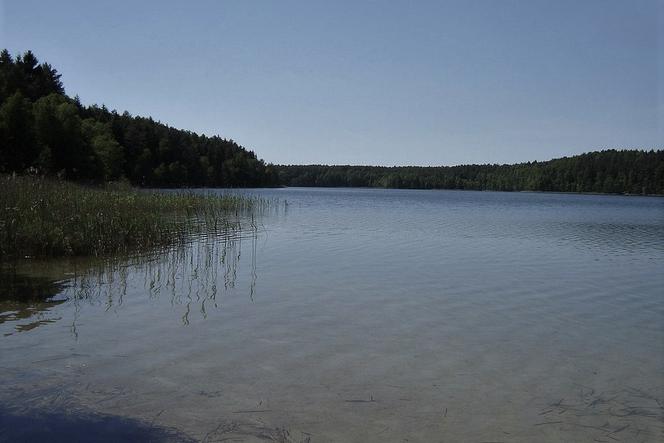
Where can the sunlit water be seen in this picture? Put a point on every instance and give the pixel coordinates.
(358, 315)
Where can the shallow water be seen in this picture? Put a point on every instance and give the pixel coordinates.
(358, 315)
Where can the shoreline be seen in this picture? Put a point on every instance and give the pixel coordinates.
(626, 194)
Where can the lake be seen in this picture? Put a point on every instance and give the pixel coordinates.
(355, 315)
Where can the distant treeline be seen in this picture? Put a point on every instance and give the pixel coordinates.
(610, 171)
(44, 131)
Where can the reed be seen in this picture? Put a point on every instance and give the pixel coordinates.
(42, 217)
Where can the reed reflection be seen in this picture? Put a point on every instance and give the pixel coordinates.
(25, 302)
(192, 277)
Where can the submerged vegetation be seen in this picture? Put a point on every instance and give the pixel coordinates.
(42, 217)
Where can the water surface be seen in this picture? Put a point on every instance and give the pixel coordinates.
(358, 315)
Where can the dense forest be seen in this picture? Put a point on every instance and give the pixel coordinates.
(44, 131)
(610, 171)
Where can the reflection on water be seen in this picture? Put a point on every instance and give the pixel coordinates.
(193, 276)
(360, 315)
(26, 301)
(27, 315)
(19, 287)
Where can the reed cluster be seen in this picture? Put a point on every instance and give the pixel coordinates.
(42, 217)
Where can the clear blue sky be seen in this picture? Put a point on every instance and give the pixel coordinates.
(367, 82)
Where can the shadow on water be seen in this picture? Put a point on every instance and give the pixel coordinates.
(56, 427)
(19, 287)
(26, 300)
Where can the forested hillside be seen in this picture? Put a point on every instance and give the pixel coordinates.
(45, 131)
(610, 171)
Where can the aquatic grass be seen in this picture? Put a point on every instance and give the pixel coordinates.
(42, 217)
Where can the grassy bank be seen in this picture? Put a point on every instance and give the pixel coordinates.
(42, 217)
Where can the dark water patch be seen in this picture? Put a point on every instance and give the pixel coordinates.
(26, 301)
(19, 287)
(56, 427)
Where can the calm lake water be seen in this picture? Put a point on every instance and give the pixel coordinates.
(356, 315)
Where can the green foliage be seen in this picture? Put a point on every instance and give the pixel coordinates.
(108, 152)
(59, 128)
(47, 217)
(609, 171)
(17, 130)
(42, 128)
(24, 74)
